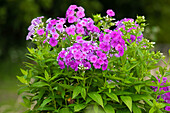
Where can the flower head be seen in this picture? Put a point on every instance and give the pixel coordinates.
(53, 42)
(110, 12)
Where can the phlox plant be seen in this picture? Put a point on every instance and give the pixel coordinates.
(92, 65)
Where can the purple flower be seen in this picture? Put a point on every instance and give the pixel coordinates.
(80, 30)
(61, 64)
(80, 14)
(40, 31)
(53, 22)
(88, 65)
(104, 66)
(69, 13)
(70, 30)
(110, 12)
(53, 42)
(106, 38)
(100, 61)
(93, 58)
(49, 27)
(103, 56)
(77, 55)
(120, 49)
(78, 38)
(71, 19)
(59, 27)
(72, 7)
(167, 108)
(105, 46)
(53, 31)
(97, 65)
(55, 35)
(62, 21)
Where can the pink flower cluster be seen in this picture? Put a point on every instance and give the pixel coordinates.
(112, 40)
(34, 27)
(82, 55)
(120, 24)
(165, 96)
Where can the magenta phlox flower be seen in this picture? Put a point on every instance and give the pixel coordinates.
(36, 21)
(110, 12)
(53, 42)
(97, 65)
(120, 49)
(77, 55)
(93, 58)
(49, 27)
(80, 30)
(100, 61)
(62, 53)
(72, 7)
(62, 20)
(104, 66)
(167, 108)
(81, 8)
(95, 29)
(53, 22)
(105, 46)
(132, 38)
(70, 30)
(107, 30)
(53, 30)
(87, 65)
(78, 38)
(101, 37)
(72, 19)
(55, 35)
(80, 14)
(106, 38)
(79, 25)
(59, 27)
(114, 43)
(69, 12)
(61, 64)
(40, 31)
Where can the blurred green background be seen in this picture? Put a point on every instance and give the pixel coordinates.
(16, 16)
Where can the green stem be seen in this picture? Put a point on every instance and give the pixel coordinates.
(54, 102)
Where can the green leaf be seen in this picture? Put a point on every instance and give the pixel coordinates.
(79, 107)
(96, 97)
(39, 84)
(24, 72)
(67, 86)
(109, 109)
(76, 91)
(147, 101)
(46, 101)
(41, 78)
(23, 89)
(83, 93)
(64, 110)
(76, 77)
(138, 87)
(152, 110)
(136, 109)
(96, 108)
(46, 108)
(112, 96)
(22, 79)
(128, 101)
(54, 77)
(27, 102)
(47, 75)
